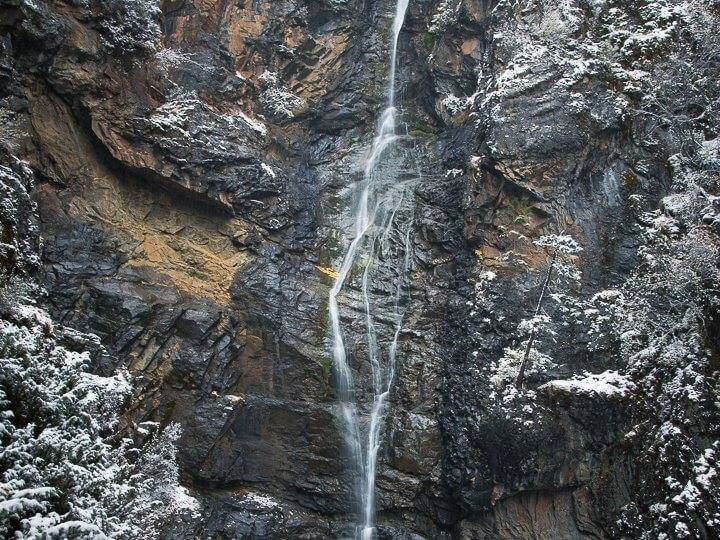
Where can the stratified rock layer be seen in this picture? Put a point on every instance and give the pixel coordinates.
(194, 201)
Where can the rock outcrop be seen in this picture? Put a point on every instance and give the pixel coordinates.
(194, 165)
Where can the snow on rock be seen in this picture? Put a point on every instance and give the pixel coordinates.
(31, 316)
(253, 124)
(261, 501)
(445, 16)
(182, 501)
(186, 119)
(456, 105)
(279, 103)
(609, 384)
(267, 169)
(175, 115)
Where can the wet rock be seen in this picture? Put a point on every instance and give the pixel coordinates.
(195, 202)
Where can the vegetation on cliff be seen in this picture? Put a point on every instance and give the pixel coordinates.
(65, 470)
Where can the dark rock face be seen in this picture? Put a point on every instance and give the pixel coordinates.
(193, 203)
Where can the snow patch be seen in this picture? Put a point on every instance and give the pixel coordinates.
(255, 125)
(263, 501)
(267, 169)
(181, 500)
(607, 384)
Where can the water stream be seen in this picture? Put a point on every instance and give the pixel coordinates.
(381, 248)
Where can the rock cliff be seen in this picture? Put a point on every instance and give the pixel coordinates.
(196, 159)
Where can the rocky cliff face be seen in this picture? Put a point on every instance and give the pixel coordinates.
(197, 162)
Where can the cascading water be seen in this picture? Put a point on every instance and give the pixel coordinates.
(382, 199)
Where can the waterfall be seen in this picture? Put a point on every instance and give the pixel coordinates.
(380, 200)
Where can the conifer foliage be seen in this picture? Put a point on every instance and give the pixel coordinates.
(64, 470)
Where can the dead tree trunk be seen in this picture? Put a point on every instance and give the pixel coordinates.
(526, 355)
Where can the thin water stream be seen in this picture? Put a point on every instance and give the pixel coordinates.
(382, 236)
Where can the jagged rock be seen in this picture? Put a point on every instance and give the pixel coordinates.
(193, 195)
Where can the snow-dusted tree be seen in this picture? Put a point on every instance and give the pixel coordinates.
(160, 499)
(558, 274)
(663, 326)
(681, 90)
(62, 473)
